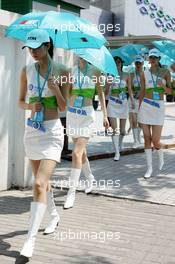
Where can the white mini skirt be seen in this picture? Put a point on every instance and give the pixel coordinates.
(151, 112)
(136, 106)
(80, 121)
(117, 108)
(45, 145)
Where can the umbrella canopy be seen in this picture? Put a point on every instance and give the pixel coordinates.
(166, 46)
(128, 52)
(100, 58)
(166, 60)
(67, 30)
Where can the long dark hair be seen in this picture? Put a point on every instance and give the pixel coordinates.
(50, 50)
(119, 58)
(159, 64)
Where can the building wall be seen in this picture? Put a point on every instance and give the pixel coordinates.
(42, 7)
(103, 4)
(137, 24)
(5, 117)
(11, 119)
(100, 17)
(79, 3)
(118, 9)
(23, 7)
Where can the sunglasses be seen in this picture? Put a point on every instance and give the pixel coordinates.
(153, 57)
(118, 61)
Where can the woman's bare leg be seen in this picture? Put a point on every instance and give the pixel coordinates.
(86, 169)
(45, 171)
(148, 149)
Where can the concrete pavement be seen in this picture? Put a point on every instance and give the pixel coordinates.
(127, 174)
(97, 230)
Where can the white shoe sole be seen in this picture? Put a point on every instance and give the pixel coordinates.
(53, 230)
(148, 175)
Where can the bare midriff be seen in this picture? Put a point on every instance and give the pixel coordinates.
(49, 114)
(115, 95)
(150, 95)
(87, 101)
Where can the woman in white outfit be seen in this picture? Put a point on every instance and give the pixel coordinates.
(155, 83)
(118, 105)
(80, 122)
(133, 112)
(43, 139)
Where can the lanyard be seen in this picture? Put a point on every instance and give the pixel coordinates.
(40, 89)
(80, 84)
(155, 82)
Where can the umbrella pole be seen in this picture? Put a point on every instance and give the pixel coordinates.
(54, 42)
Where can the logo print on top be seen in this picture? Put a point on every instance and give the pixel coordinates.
(31, 38)
(31, 87)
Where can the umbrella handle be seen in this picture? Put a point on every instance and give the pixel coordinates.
(56, 31)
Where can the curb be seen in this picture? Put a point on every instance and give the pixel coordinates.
(106, 155)
(114, 196)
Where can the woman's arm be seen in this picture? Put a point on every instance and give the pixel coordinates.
(22, 95)
(66, 86)
(108, 83)
(168, 88)
(142, 90)
(23, 91)
(129, 85)
(99, 88)
(57, 83)
(55, 88)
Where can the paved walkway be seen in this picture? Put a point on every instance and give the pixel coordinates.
(97, 230)
(125, 178)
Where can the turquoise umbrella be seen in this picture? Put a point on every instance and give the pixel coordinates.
(166, 46)
(67, 30)
(100, 58)
(128, 52)
(166, 60)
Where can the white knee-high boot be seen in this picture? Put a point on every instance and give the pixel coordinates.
(115, 140)
(86, 169)
(161, 158)
(74, 179)
(37, 213)
(53, 214)
(135, 132)
(148, 153)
